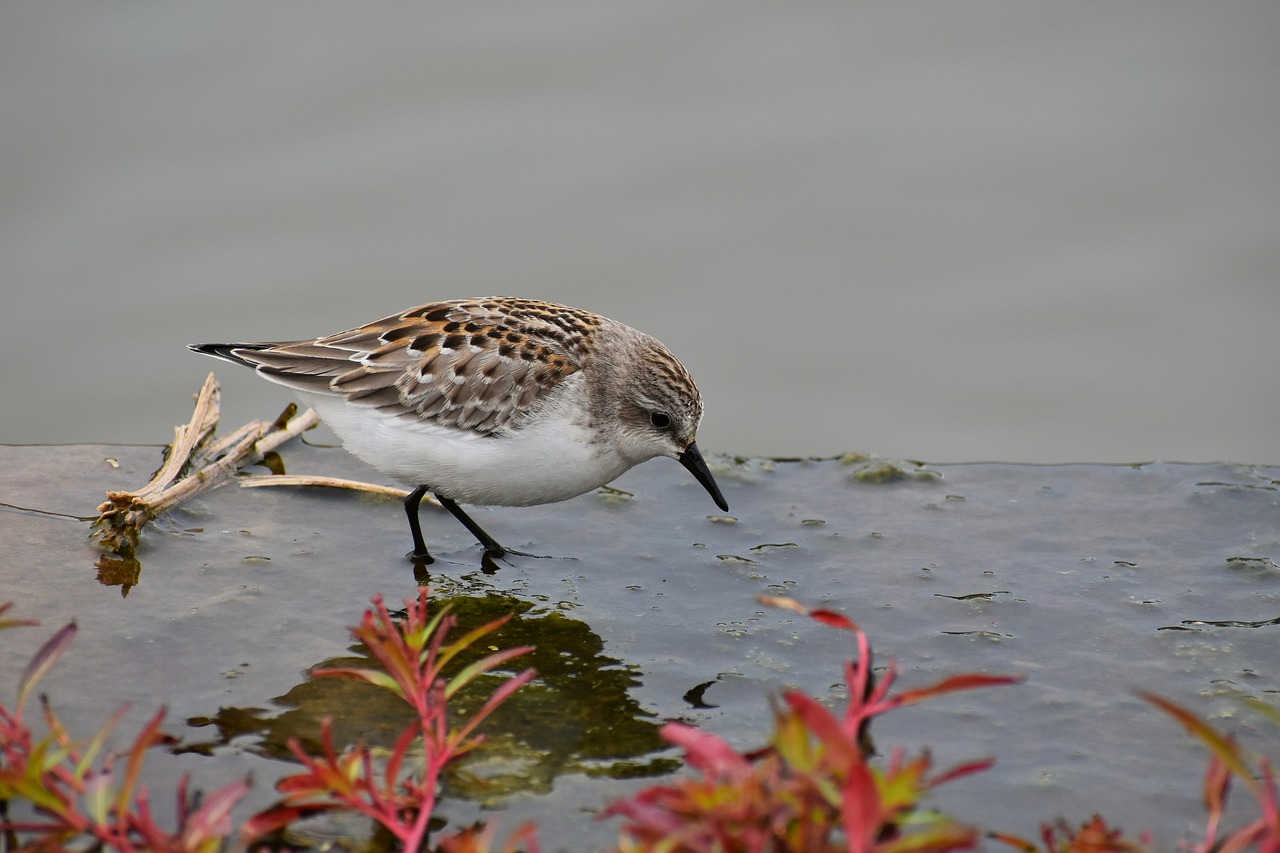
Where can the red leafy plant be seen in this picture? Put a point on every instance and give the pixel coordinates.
(1095, 836)
(1227, 760)
(81, 801)
(413, 654)
(813, 787)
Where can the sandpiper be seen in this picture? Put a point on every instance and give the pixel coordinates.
(492, 401)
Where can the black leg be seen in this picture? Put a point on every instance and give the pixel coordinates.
(420, 554)
(491, 547)
(493, 551)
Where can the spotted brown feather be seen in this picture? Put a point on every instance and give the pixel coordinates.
(480, 365)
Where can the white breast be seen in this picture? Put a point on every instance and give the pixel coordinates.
(553, 458)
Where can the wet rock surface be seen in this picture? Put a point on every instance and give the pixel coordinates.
(1090, 580)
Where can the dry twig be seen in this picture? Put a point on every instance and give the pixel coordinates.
(328, 482)
(192, 465)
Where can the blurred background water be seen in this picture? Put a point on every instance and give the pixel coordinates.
(991, 230)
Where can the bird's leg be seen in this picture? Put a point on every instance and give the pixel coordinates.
(493, 551)
(491, 546)
(420, 554)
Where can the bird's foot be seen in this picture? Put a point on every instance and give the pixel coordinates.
(420, 558)
(489, 561)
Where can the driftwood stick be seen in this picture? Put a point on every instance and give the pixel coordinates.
(188, 438)
(288, 426)
(207, 476)
(258, 480)
(191, 468)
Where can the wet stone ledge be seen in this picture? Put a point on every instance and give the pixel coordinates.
(1089, 580)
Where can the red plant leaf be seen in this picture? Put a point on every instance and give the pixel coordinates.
(1097, 836)
(497, 698)
(861, 810)
(960, 770)
(1250, 837)
(149, 736)
(1013, 841)
(486, 664)
(471, 638)
(833, 619)
(706, 752)
(278, 817)
(1223, 747)
(212, 820)
(14, 623)
(953, 684)
(44, 660)
(1217, 785)
(394, 762)
(826, 727)
(1269, 797)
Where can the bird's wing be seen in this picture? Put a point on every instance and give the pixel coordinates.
(479, 365)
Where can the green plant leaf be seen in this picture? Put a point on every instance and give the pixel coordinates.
(376, 677)
(471, 671)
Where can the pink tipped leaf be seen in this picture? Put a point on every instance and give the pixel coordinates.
(376, 677)
(959, 771)
(209, 824)
(706, 752)
(826, 727)
(398, 753)
(485, 664)
(861, 810)
(818, 614)
(953, 684)
(149, 736)
(43, 661)
(14, 623)
(1223, 747)
(1256, 836)
(277, 817)
(833, 619)
(1217, 786)
(470, 638)
(497, 698)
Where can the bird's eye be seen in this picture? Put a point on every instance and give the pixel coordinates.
(659, 419)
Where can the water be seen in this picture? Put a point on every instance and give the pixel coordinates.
(1088, 580)
(996, 231)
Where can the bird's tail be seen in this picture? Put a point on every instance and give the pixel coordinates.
(227, 352)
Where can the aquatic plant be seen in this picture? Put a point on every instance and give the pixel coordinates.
(1227, 761)
(814, 786)
(413, 654)
(82, 794)
(79, 800)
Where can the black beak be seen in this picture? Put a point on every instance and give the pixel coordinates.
(697, 466)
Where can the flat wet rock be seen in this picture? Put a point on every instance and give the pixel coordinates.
(1089, 580)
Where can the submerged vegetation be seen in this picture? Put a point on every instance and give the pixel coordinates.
(817, 784)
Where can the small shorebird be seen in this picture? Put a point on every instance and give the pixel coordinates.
(492, 401)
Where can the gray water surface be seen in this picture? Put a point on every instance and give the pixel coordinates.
(1089, 580)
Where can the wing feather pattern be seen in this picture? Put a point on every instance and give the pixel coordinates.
(480, 365)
